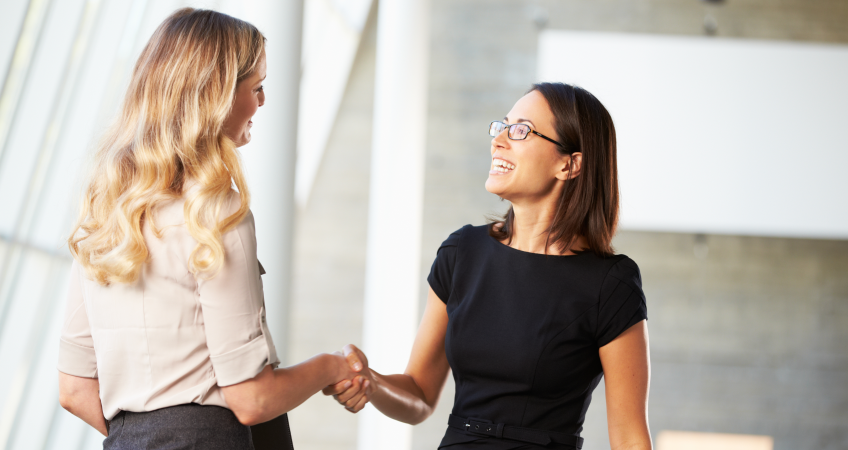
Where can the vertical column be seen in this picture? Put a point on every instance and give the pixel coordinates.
(395, 204)
(270, 157)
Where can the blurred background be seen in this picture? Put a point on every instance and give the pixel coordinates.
(731, 119)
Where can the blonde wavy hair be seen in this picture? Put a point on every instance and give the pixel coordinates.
(170, 130)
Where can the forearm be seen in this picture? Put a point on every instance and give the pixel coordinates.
(90, 411)
(294, 385)
(399, 397)
(638, 444)
(278, 391)
(81, 397)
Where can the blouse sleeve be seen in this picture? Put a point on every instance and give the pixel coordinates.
(76, 347)
(441, 272)
(621, 302)
(233, 306)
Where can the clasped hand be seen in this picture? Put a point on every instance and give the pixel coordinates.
(355, 393)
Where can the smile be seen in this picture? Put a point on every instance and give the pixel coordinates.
(499, 166)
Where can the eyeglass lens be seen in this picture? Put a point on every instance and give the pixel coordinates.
(517, 131)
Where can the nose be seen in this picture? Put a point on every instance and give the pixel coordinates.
(261, 98)
(501, 140)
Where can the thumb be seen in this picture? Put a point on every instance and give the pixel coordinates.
(352, 355)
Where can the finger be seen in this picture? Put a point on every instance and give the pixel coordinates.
(350, 348)
(355, 388)
(351, 391)
(337, 388)
(362, 357)
(352, 354)
(350, 405)
(359, 405)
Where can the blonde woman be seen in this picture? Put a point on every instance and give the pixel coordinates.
(165, 342)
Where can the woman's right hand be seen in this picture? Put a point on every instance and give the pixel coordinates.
(409, 397)
(353, 393)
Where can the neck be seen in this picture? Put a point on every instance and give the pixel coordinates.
(530, 229)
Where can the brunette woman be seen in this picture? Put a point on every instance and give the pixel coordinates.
(531, 311)
(165, 342)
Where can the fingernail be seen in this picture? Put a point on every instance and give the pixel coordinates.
(357, 367)
(347, 384)
(367, 383)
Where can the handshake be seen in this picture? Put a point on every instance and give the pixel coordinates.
(357, 381)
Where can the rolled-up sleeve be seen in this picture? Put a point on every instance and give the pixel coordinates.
(76, 347)
(233, 305)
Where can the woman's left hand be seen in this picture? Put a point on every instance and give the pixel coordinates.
(358, 394)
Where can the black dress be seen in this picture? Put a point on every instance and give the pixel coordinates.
(523, 335)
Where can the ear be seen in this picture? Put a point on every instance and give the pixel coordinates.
(570, 167)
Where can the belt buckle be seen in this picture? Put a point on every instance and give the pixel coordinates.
(481, 427)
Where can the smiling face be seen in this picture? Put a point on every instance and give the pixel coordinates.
(248, 98)
(532, 168)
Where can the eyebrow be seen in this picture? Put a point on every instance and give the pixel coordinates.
(506, 120)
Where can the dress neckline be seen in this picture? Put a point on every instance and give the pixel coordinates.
(498, 243)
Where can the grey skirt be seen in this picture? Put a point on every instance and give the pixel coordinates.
(178, 427)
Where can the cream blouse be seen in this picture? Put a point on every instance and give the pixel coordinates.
(170, 338)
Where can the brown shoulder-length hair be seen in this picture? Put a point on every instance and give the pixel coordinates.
(588, 205)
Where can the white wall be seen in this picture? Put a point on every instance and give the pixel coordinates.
(718, 135)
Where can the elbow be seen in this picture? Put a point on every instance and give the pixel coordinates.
(421, 416)
(417, 415)
(251, 413)
(248, 418)
(67, 402)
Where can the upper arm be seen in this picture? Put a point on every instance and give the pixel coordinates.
(627, 373)
(428, 364)
(233, 306)
(76, 344)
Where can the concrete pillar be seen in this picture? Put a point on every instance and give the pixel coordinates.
(395, 205)
(270, 157)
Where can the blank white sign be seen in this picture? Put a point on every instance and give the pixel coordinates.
(718, 135)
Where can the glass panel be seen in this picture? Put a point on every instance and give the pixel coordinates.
(27, 286)
(42, 391)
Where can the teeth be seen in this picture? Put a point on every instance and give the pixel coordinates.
(502, 166)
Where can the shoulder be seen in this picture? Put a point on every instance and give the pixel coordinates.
(231, 204)
(467, 232)
(624, 270)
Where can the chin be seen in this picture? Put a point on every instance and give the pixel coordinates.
(494, 187)
(243, 141)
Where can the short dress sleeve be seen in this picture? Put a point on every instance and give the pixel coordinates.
(233, 306)
(76, 346)
(441, 272)
(621, 302)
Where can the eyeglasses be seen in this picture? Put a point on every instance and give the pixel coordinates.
(517, 131)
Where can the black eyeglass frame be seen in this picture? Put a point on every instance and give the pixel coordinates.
(509, 132)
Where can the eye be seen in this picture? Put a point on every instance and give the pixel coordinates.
(260, 89)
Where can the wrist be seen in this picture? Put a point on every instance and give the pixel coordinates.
(331, 370)
(375, 379)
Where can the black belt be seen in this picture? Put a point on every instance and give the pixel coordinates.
(486, 428)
